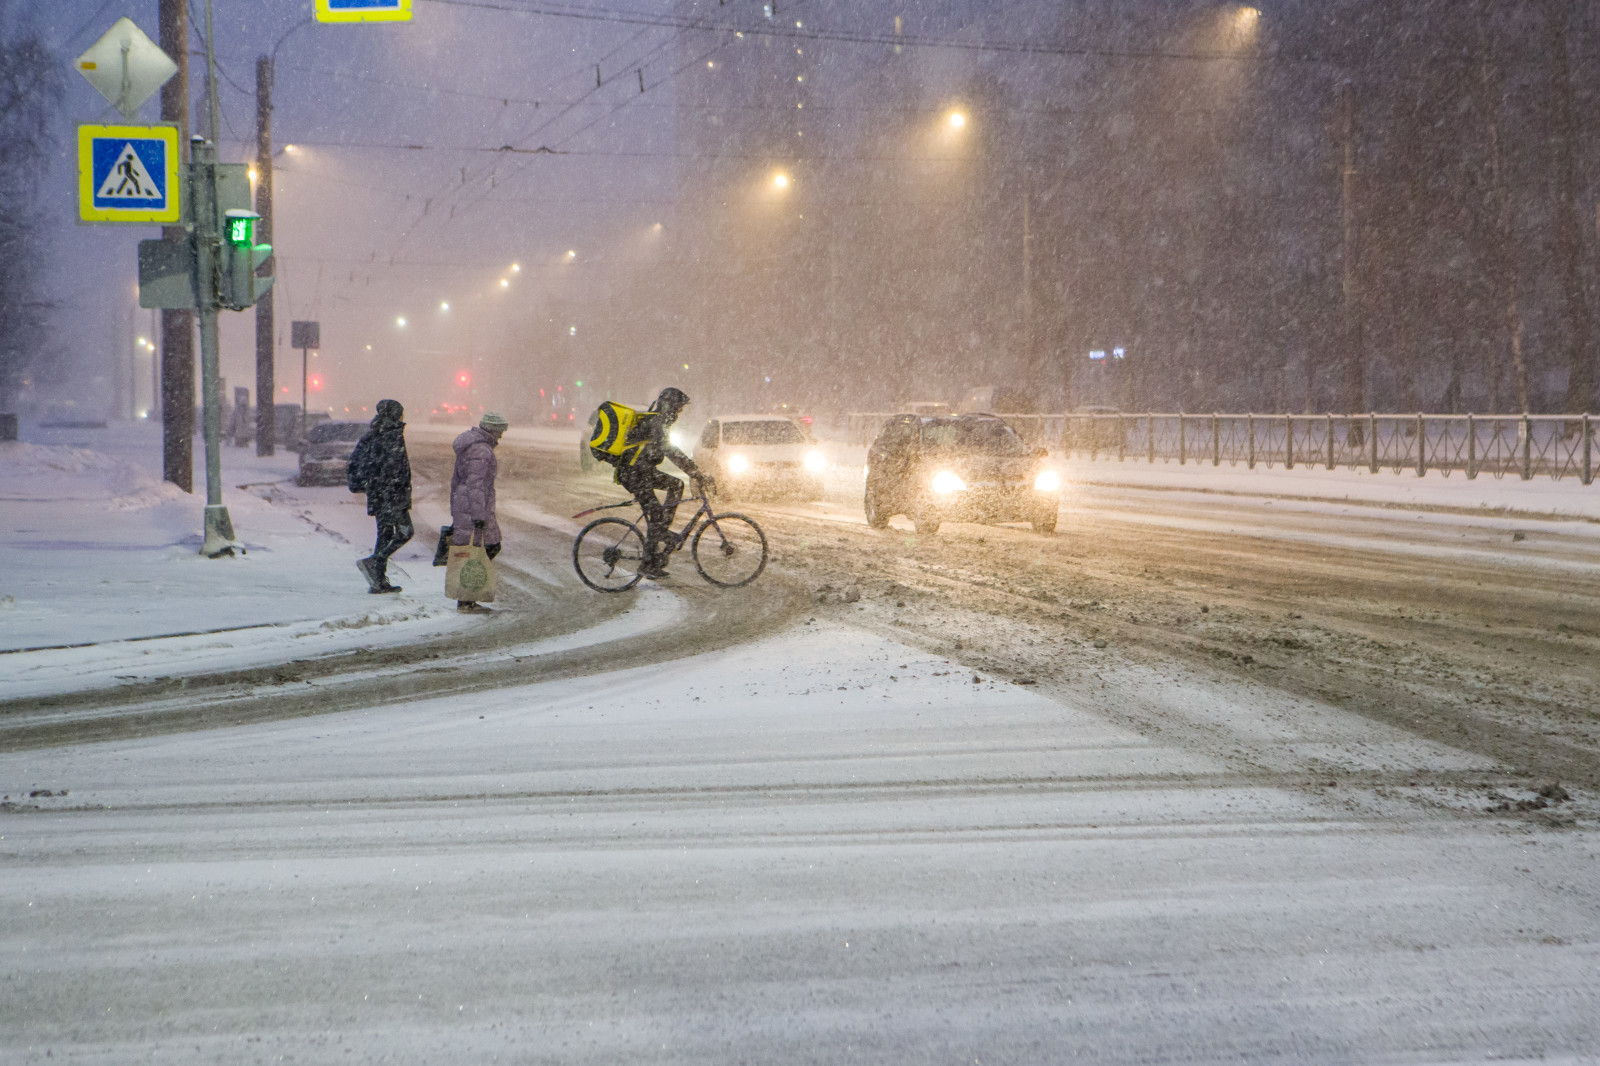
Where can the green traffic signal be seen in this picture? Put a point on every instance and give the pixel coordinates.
(240, 231)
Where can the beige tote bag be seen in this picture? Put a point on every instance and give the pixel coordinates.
(469, 573)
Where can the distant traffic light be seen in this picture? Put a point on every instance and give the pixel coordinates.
(464, 379)
(314, 382)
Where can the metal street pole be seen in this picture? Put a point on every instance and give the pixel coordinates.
(203, 198)
(266, 378)
(176, 401)
(203, 201)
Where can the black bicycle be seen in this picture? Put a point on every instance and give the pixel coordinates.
(729, 549)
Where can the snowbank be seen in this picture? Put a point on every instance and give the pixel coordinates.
(100, 574)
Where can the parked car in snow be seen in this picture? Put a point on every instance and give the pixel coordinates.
(761, 453)
(970, 468)
(325, 452)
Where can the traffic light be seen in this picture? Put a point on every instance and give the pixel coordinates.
(240, 256)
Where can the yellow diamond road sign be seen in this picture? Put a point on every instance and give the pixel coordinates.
(363, 10)
(128, 174)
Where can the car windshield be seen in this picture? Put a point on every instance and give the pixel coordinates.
(328, 431)
(985, 435)
(774, 432)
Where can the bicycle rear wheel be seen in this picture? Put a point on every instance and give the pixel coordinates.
(730, 550)
(608, 554)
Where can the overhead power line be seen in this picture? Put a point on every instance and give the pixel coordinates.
(786, 32)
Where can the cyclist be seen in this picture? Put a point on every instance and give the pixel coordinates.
(648, 444)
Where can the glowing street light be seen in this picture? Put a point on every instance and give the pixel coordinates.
(505, 283)
(780, 181)
(957, 120)
(444, 305)
(401, 322)
(572, 254)
(516, 268)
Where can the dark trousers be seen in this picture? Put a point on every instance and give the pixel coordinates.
(643, 483)
(394, 530)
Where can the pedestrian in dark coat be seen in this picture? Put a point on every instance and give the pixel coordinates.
(380, 467)
(472, 492)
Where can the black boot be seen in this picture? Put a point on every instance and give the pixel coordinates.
(382, 568)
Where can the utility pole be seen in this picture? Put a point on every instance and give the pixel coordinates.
(176, 401)
(266, 382)
(1569, 237)
(1354, 371)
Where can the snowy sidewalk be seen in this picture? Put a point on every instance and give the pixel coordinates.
(100, 574)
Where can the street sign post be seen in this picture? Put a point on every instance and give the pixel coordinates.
(128, 174)
(305, 336)
(126, 67)
(363, 10)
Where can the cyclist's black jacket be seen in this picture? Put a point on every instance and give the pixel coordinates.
(649, 444)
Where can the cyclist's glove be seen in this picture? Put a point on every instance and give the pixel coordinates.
(708, 483)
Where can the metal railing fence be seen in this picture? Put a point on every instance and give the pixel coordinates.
(1525, 446)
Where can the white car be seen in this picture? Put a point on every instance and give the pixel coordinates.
(761, 453)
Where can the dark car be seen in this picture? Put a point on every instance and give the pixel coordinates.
(969, 468)
(325, 452)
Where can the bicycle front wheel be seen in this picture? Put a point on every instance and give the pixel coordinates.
(608, 554)
(730, 550)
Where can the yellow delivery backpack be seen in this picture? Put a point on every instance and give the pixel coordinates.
(612, 424)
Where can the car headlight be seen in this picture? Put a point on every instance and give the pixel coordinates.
(673, 438)
(1047, 481)
(946, 482)
(816, 462)
(738, 464)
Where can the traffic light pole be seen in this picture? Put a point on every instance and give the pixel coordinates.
(207, 245)
(203, 198)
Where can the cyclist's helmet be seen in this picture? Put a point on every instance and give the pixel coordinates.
(671, 401)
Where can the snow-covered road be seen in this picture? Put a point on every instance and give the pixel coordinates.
(827, 847)
(1202, 778)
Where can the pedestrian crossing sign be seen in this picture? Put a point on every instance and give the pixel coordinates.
(128, 174)
(363, 10)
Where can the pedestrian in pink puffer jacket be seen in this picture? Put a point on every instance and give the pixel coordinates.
(472, 492)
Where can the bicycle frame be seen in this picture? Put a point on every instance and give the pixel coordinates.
(680, 538)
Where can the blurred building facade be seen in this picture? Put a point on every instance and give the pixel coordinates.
(900, 201)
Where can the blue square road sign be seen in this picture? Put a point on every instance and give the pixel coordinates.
(128, 174)
(363, 10)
